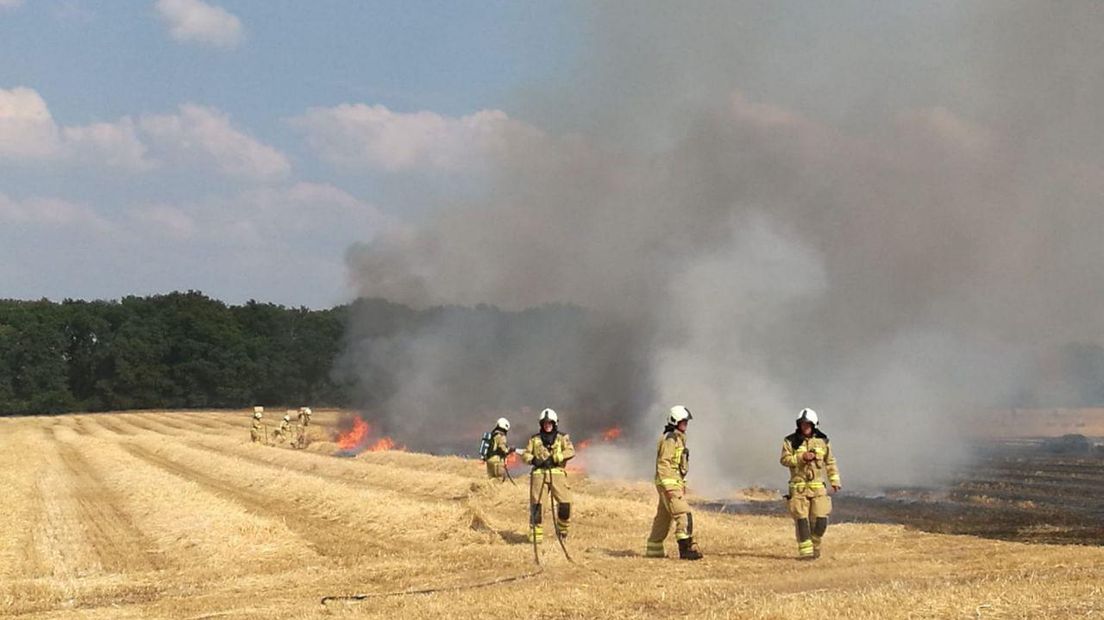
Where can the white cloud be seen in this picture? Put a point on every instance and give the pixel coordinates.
(73, 11)
(363, 136)
(166, 219)
(268, 218)
(49, 212)
(112, 144)
(27, 130)
(10, 4)
(196, 134)
(286, 243)
(194, 21)
(203, 133)
(302, 214)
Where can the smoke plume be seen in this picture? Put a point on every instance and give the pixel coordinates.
(884, 213)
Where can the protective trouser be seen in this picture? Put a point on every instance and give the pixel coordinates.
(669, 509)
(543, 482)
(496, 469)
(810, 510)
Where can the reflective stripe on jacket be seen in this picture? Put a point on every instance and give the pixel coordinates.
(672, 460)
(810, 475)
(560, 453)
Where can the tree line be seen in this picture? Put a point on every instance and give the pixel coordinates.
(178, 350)
(186, 350)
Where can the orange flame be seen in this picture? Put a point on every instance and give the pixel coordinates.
(512, 459)
(355, 436)
(385, 443)
(578, 464)
(359, 437)
(607, 436)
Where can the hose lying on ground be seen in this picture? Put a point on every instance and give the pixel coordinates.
(469, 586)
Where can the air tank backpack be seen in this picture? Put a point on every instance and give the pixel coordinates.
(485, 446)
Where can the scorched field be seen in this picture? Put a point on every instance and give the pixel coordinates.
(178, 515)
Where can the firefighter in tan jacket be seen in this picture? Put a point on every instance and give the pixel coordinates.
(498, 450)
(808, 456)
(256, 431)
(548, 451)
(672, 465)
(280, 434)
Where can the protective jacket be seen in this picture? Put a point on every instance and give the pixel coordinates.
(499, 450)
(549, 452)
(808, 477)
(672, 460)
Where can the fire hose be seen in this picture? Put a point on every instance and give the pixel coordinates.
(506, 467)
(547, 483)
(326, 600)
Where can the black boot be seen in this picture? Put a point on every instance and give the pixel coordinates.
(688, 550)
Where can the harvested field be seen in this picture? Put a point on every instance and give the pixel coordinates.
(177, 515)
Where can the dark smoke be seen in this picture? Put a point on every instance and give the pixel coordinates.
(888, 214)
(441, 378)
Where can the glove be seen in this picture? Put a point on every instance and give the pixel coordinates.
(541, 463)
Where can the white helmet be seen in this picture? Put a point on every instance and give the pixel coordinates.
(287, 418)
(306, 410)
(258, 409)
(548, 414)
(503, 423)
(678, 414)
(257, 414)
(808, 415)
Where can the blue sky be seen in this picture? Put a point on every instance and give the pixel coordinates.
(147, 146)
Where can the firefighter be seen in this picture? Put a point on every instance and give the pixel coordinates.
(285, 428)
(304, 419)
(498, 450)
(672, 465)
(256, 432)
(548, 451)
(808, 456)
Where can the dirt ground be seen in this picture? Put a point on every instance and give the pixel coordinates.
(177, 515)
